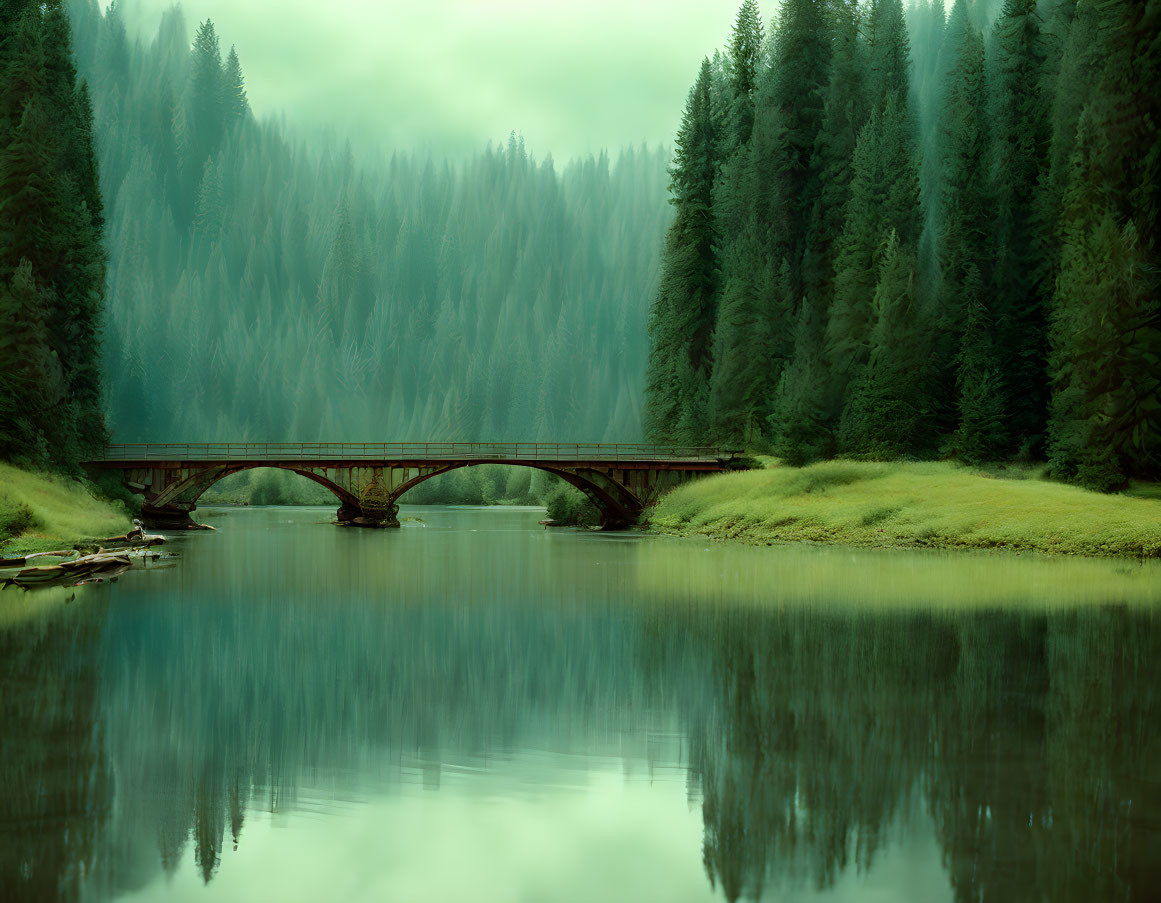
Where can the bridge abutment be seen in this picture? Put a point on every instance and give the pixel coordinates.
(169, 518)
(369, 479)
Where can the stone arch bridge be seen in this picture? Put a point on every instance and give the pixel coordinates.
(368, 479)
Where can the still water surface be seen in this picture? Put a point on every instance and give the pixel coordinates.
(474, 708)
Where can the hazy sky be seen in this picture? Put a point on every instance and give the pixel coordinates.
(572, 75)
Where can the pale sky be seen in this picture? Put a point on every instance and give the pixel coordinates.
(573, 76)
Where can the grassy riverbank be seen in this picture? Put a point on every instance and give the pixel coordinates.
(909, 505)
(40, 511)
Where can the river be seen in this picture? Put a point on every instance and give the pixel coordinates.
(475, 708)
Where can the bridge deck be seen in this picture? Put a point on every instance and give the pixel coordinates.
(660, 456)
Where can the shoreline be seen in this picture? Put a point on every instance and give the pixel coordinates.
(900, 506)
(45, 511)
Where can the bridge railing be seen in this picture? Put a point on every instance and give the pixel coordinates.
(404, 451)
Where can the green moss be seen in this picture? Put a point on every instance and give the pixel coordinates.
(913, 505)
(42, 511)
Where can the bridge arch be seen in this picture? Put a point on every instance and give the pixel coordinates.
(369, 479)
(618, 506)
(171, 506)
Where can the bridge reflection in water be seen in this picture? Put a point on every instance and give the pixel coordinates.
(368, 478)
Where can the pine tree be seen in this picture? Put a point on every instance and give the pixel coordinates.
(844, 114)
(682, 319)
(963, 223)
(1019, 116)
(209, 210)
(888, 55)
(234, 88)
(800, 424)
(745, 61)
(789, 118)
(32, 388)
(884, 198)
(50, 229)
(1106, 337)
(763, 208)
(207, 103)
(885, 409)
(983, 431)
(747, 355)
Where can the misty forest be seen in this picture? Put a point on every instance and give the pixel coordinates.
(780, 509)
(312, 296)
(894, 232)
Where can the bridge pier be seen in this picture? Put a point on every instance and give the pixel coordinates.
(369, 479)
(351, 514)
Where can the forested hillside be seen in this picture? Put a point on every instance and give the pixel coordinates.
(268, 287)
(52, 263)
(920, 233)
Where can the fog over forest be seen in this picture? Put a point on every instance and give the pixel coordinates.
(450, 75)
(272, 278)
(266, 288)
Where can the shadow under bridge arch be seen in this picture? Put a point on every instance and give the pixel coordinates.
(619, 506)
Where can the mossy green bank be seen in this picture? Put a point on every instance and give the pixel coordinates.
(41, 511)
(912, 505)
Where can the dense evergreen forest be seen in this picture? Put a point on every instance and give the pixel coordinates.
(920, 232)
(272, 287)
(52, 261)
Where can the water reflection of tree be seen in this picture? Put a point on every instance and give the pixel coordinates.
(809, 741)
(237, 706)
(1078, 819)
(54, 775)
(1032, 737)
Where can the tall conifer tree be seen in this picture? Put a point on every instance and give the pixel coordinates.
(1019, 113)
(51, 256)
(963, 251)
(683, 316)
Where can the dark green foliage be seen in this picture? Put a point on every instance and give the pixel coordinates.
(801, 422)
(764, 203)
(962, 246)
(746, 356)
(52, 263)
(15, 519)
(885, 411)
(893, 232)
(571, 507)
(790, 110)
(1106, 317)
(983, 429)
(1019, 115)
(884, 198)
(683, 317)
(889, 53)
(844, 113)
(745, 63)
(1106, 413)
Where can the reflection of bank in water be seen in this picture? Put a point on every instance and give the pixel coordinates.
(486, 657)
(717, 573)
(55, 775)
(102, 567)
